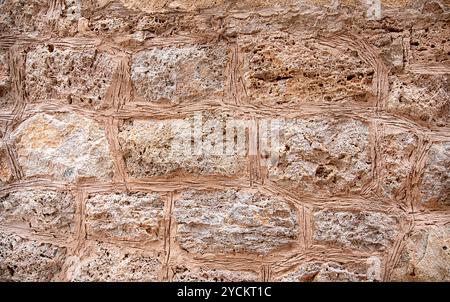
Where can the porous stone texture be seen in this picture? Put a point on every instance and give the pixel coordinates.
(78, 77)
(6, 98)
(422, 97)
(398, 151)
(5, 170)
(278, 70)
(435, 185)
(66, 146)
(363, 230)
(40, 210)
(106, 263)
(29, 260)
(322, 153)
(233, 221)
(175, 74)
(161, 147)
(133, 217)
(425, 256)
(182, 273)
(334, 272)
(139, 140)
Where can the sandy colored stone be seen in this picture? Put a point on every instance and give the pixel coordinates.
(397, 149)
(122, 216)
(323, 153)
(6, 173)
(39, 17)
(424, 98)
(430, 42)
(174, 74)
(65, 146)
(365, 230)
(40, 210)
(6, 98)
(29, 260)
(78, 77)
(233, 221)
(108, 263)
(334, 272)
(435, 184)
(280, 69)
(425, 257)
(181, 273)
(163, 147)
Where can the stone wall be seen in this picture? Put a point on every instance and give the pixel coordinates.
(93, 92)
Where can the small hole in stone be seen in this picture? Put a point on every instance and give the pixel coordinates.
(444, 248)
(50, 47)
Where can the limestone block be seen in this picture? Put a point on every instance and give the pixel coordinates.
(163, 147)
(323, 153)
(78, 77)
(282, 69)
(107, 263)
(174, 74)
(234, 221)
(333, 271)
(423, 98)
(122, 216)
(435, 184)
(39, 210)
(355, 229)
(425, 256)
(6, 173)
(206, 274)
(66, 146)
(29, 260)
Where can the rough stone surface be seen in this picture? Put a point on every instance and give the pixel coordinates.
(155, 148)
(435, 185)
(66, 146)
(40, 210)
(107, 172)
(397, 149)
(233, 221)
(106, 263)
(278, 69)
(174, 74)
(29, 260)
(79, 77)
(333, 272)
(5, 169)
(425, 257)
(133, 217)
(323, 154)
(364, 230)
(205, 274)
(424, 98)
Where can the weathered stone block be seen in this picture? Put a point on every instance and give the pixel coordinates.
(397, 149)
(279, 69)
(28, 260)
(80, 77)
(424, 98)
(334, 272)
(164, 147)
(356, 229)
(106, 263)
(174, 74)
(323, 153)
(425, 257)
(40, 210)
(6, 173)
(122, 216)
(429, 42)
(65, 146)
(206, 274)
(234, 221)
(435, 185)
(6, 98)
